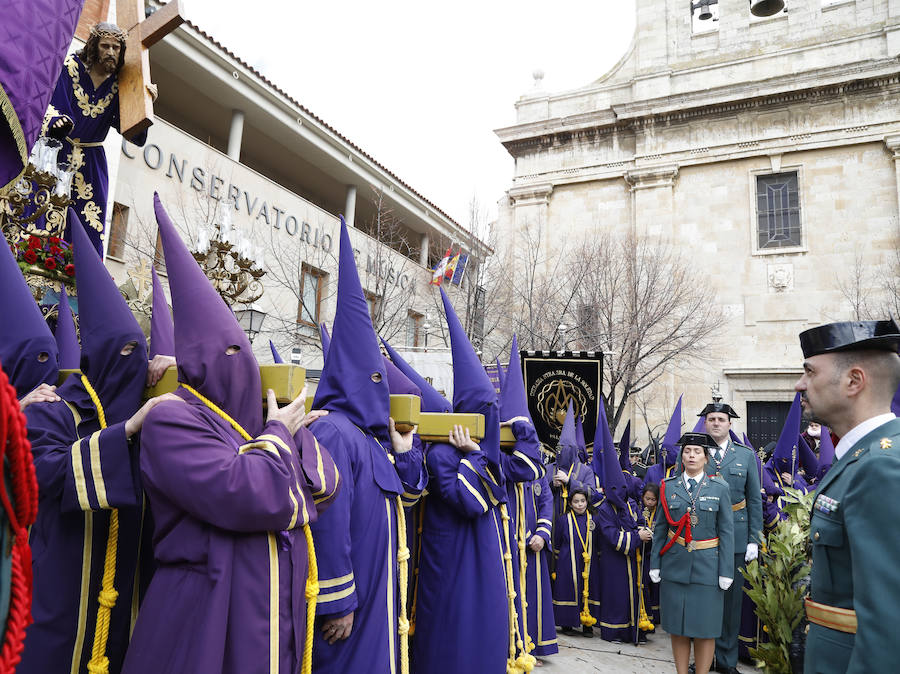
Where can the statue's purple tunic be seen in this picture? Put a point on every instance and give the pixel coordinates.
(356, 540)
(93, 111)
(83, 472)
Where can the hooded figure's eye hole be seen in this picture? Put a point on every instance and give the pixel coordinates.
(128, 349)
(376, 377)
(43, 357)
(231, 350)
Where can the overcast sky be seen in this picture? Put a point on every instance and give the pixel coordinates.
(422, 86)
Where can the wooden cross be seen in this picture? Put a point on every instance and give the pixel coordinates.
(135, 87)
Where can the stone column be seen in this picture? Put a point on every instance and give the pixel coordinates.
(423, 249)
(235, 134)
(652, 199)
(893, 145)
(530, 205)
(350, 206)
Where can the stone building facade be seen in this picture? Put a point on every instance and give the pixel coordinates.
(766, 147)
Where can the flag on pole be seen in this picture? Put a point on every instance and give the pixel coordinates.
(460, 269)
(440, 268)
(451, 266)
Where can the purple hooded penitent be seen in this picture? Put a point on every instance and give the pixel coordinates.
(27, 348)
(785, 458)
(579, 436)
(83, 472)
(673, 434)
(205, 328)
(625, 448)
(808, 461)
(501, 375)
(746, 441)
(224, 506)
(66, 337)
(700, 426)
(513, 399)
(162, 330)
(568, 441)
(107, 326)
(618, 539)
(31, 56)
(432, 401)
(276, 357)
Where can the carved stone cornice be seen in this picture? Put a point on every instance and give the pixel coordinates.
(531, 195)
(893, 144)
(650, 177)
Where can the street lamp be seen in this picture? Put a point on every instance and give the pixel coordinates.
(251, 320)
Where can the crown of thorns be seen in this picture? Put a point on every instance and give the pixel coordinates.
(104, 29)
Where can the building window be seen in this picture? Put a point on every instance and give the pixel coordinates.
(118, 226)
(312, 282)
(374, 302)
(778, 211)
(413, 329)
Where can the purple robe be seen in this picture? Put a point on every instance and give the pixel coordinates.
(462, 616)
(82, 473)
(656, 474)
(229, 591)
(650, 589)
(356, 543)
(580, 477)
(93, 112)
(617, 546)
(539, 592)
(568, 585)
(522, 469)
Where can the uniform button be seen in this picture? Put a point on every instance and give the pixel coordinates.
(816, 537)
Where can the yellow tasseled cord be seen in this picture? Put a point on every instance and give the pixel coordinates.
(586, 546)
(415, 597)
(99, 663)
(312, 576)
(403, 575)
(525, 644)
(644, 622)
(513, 665)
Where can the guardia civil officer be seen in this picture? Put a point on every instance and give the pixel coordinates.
(736, 464)
(693, 554)
(850, 373)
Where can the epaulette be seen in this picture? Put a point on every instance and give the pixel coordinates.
(718, 479)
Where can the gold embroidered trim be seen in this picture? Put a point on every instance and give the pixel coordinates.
(81, 96)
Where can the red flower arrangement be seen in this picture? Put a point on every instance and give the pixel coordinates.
(51, 253)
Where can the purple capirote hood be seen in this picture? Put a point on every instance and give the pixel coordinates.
(107, 326)
(24, 338)
(205, 327)
(473, 391)
(162, 329)
(276, 357)
(432, 401)
(672, 436)
(66, 337)
(513, 399)
(786, 455)
(606, 461)
(625, 448)
(354, 379)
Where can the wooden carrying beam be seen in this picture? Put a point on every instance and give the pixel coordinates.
(287, 382)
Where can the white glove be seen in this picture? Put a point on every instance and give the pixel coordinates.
(654, 575)
(752, 552)
(724, 582)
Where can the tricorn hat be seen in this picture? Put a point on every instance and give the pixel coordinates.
(698, 439)
(850, 336)
(724, 408)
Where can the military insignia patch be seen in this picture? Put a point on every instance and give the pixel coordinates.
(886, 443)
(537, 490)
(591, 525)
(826, 504)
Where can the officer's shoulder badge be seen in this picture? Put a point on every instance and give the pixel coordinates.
(886, 443)
(718, 479)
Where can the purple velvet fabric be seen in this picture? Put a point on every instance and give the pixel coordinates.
(34, 37)
(786, 456)
(325, 339)
(276, 357)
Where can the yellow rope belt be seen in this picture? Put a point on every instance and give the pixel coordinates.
(403, 573)
(525, 662)
(312, 580)
(523, 566)
(586, 546)
(99, 663)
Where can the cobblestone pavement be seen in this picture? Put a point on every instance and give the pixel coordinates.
(577, 654)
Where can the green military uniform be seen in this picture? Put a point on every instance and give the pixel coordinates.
(739, 469)
(855, 556)
(691, 602)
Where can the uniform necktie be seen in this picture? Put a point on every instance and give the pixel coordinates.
(718, 455)
(692, 483)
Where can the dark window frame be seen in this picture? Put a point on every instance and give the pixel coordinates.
(320, 276)
(779, 222)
